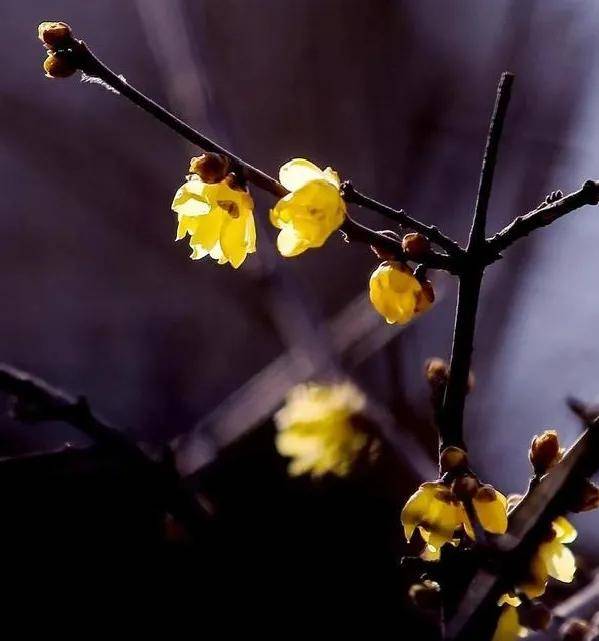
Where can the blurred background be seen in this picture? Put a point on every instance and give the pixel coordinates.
(98, 298)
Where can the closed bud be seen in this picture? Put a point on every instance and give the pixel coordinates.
(436, 371)
(587, 499)
(465, 487)
(425, 297)
(574, 630)
(535, 616)
(55, 34)
(486, 494)
(545, 451)
(385, 254)
(416, 246)
(426, 595)
(453, 459)
(211, 168)
(58, 66)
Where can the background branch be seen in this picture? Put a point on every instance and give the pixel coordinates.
(35, 400)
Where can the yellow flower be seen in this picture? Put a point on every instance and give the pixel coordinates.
(552, 559)
(508, 626)
(397, 295)
(218, 219)
(437, 513)
(311, 212)
(317, 428)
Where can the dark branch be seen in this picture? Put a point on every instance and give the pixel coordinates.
(34, 400)
(452, 414)
(82, 57)
(352, 195)
(588, 194)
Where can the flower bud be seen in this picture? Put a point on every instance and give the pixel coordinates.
(436, 371)
(426, 595)
(381, 253)
(535, 616)
(416, 246)
(545, 451)
(465, 486)
(58, 66)
(486, 494)
(211, 168)
(453, 459)
(587, 499)
(54, 34)
(425, 297)
(574, 630)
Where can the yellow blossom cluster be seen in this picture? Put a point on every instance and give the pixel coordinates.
(320, 428)
(435, 510)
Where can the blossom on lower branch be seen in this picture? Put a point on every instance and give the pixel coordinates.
(397, 294)
(322, 429)
(437, 512)
(508, 626)
(313, 209)
(218, 217)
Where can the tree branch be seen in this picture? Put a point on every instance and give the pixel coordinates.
(452, 414)
(352, 195)
(588, 194)
(35, 400)
(82, 57)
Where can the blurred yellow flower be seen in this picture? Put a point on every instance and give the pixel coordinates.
(508, 627)
(397, 294)
(218, 218)
(437, 513)
(319, 428)
(311, 212)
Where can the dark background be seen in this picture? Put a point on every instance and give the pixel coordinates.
(98, 298)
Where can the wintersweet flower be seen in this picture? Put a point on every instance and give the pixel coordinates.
(322, 430)
(312, 210)
(552, 559)
(397, 294)
(437, 513)
(508, 626)
(218, 218)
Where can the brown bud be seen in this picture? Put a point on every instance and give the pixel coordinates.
(58, 66)
(545, 451)
(436, 371)
(535, 616)
(425, 297)
(587, 499)
(54, 34)
(574, 630)
(453, 459)
(416, 246)
(426, 595)
(384, 254)
(486, 494)
(465, 486)
(211, 168)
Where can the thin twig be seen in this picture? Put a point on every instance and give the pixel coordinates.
(83, 58)
(588, 194)
(452, 416)
(352, 195)
(35, 400)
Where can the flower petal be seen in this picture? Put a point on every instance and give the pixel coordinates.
(297, 172)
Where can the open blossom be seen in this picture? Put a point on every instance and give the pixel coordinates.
(437, 513)
(397, 294)
(312, 210)
(508, 627)
(320, 429)
(552, 559)
(218, 218)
